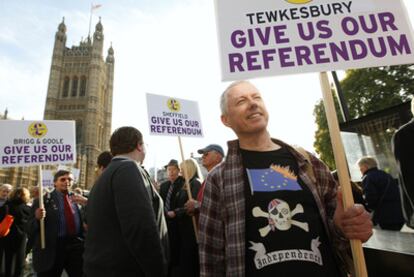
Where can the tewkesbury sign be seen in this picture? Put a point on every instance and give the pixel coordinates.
(276, 37)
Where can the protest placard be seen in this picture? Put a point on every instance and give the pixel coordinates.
(171, 116)
(275, 37)
(27, 143)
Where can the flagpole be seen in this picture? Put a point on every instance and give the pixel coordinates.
(90, 22)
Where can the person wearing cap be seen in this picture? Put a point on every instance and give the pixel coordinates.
(264, 213)
(169, 191)
(212, 155)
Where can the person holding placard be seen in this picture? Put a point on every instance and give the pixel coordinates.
(127, 233)
(264, 213)
(212, 155)
(63, 231)
(188, 261)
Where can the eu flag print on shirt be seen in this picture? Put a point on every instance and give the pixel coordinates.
(275, 178)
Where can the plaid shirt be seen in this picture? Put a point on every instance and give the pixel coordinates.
(222, 215)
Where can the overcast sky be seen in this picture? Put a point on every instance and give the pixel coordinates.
(162, 47)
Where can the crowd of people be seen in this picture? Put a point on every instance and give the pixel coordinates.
(264, 209)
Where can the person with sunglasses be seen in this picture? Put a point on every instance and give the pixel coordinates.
(63, 231)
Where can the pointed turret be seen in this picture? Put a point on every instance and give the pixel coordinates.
(55, 71)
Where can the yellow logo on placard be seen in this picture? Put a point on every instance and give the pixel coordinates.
(174, 105)
(298, 1)
(37, 129)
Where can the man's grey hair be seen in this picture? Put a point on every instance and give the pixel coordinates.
(223, 97)
(6, 186)
(369, 162)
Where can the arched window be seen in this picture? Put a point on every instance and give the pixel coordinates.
(75, 86)
(65, 91)
(82, 89)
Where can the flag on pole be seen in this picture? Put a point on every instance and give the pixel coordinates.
(95, 7)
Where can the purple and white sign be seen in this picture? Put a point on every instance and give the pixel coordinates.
(169, 116)
(27, 143)
(276, 37)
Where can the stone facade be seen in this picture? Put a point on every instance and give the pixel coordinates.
(80, 89)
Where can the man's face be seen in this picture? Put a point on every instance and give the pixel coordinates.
(4, 192)
(246, 112)
(172, 172)
(63, 183)
(363, 168)
(210, 159)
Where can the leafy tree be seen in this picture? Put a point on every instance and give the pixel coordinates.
(366, 91)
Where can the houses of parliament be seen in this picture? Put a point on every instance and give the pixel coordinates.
(80, 88)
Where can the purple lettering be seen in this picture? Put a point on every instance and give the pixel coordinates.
(311, 31)
(268, 57)
(251, 59)
(358, 49)
(303, 55)
(238, 39)
(382, 52)
(284, 55)
(401, 46)
(369, 29)
(387, 19)
(319, 50)
(235, 61)
(350, 26)
(339, 51)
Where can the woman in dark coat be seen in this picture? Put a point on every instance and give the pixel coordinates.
(15, 241)
(188, 257)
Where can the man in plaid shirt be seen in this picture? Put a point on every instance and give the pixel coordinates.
(263, 213)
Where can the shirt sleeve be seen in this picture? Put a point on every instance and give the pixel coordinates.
(211, 230)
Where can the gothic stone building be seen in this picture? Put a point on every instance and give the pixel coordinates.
(80, 89)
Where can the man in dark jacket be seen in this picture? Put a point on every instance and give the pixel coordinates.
(63, 231)
(381, 194)
(127, 234)
(169, 191)
(403, 147)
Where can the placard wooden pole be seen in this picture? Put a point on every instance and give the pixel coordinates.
(41, 205)
(187, 187)
(342, 168)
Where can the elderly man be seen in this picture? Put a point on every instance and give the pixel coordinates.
(63, 231)
(127, 233)
(381, 194)
(262, 213)
(212, 155)
(403, 147)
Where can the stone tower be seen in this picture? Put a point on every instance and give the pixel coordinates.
(80, 88)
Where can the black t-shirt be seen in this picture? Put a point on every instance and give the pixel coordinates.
(285, 235)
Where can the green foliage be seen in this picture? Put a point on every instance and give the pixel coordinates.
(322, 142)
(366, 91)
(372, 89)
